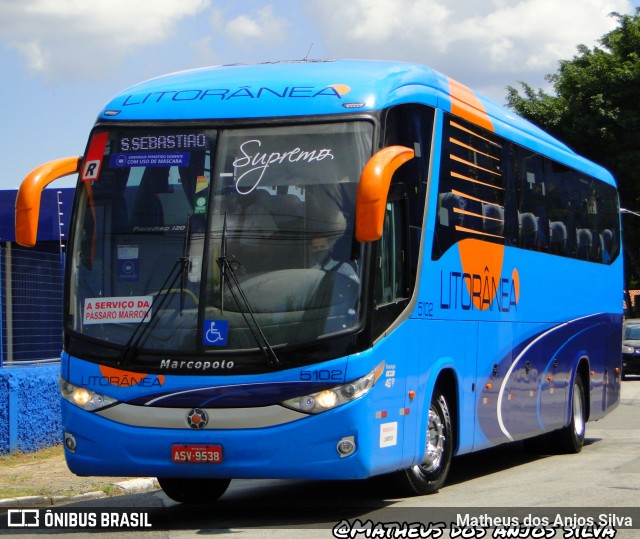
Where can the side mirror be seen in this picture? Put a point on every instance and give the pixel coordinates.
(30, 194)
(373, 190)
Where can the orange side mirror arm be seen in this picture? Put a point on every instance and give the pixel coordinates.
(373, 190)
(30, 194)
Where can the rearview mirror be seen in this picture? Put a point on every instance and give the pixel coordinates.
(30, 194)
(373, 190)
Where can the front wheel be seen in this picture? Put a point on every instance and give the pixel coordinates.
(193, 491)
(428, 476)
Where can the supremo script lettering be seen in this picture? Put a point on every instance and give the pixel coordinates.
(252, 164)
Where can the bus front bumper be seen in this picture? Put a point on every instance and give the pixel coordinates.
(336, 444)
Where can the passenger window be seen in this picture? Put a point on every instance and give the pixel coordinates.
(533, 218)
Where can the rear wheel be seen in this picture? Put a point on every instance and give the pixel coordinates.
(571, 438)
(193, 491)
(428, 476)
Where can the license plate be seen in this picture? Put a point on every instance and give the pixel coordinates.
(202, 454)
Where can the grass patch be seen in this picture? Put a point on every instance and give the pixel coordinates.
(18, 492)
(45, 473)
(111, 490)
(17, 458)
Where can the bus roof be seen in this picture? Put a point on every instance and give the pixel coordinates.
(327, 87)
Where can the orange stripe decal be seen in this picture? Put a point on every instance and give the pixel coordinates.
(465, 104)
(484, 260)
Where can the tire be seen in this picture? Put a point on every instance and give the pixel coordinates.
(429, 476)
(193, 491)
(571, 438)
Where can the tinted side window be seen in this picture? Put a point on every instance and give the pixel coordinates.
(564, 212)
(497, 191)
(471, 195)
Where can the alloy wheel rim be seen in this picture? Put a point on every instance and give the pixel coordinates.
(578, 418)
(435, 442)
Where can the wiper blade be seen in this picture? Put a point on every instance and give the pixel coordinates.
(223, 254)
(178, 270)
(186, 260)
(228, 274)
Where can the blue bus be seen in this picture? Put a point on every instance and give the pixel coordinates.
(328, 270)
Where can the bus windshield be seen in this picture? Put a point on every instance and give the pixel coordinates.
(193, 239)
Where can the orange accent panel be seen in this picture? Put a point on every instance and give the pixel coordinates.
(30, 194)
(118, 377)
(484, 259)
(466, 104)
(342, 89)
(373, 190)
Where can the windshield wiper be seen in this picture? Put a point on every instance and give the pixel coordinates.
(186, 260)
(178, 271)
(227, 273)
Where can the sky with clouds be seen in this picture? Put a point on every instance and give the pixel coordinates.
(62, 60)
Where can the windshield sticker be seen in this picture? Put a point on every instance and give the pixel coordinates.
(202, 193)
(128, 263)
(215, 332)
(93, 159)
(251, 166)
(122, 160)
(128, 309)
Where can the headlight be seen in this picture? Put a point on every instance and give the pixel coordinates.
(84, 398)
(336, 396)
(627, 349)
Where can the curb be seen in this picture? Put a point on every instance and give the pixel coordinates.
(132, 486)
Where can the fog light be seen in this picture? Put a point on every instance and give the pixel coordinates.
(70, 442)
(346, 446)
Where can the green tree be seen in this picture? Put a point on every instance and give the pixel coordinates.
(595, 109)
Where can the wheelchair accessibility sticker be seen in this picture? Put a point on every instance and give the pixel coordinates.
(215, 332)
